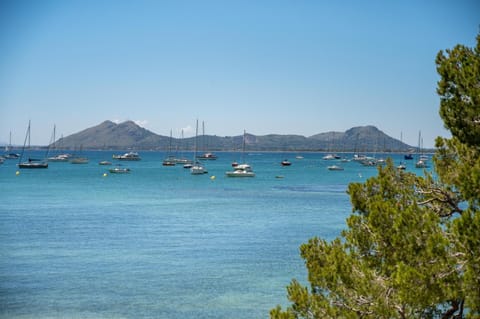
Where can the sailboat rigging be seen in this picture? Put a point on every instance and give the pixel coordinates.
(197, 168)
(244, 169)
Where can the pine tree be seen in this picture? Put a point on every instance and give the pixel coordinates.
(412, 246)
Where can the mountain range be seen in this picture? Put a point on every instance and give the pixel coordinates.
(129, 136)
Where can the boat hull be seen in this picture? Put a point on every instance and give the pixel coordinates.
(119, 170)
(33, 165)
(233, 174)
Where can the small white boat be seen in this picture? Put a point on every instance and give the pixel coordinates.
(208, 156)
(182, 161)
(421, 164)
(105, 163)
(286, 162)
(59, 158)
(359, 157)
(329, 157)
(130, 156)
(119, 170)
(241, 170)
(335, 168)
(11, 156)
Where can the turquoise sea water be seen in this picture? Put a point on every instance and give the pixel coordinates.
(160, 242)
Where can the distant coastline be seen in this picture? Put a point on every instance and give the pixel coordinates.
(109, 136)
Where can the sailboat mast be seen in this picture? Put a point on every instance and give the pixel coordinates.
(27, 136)
(243, 147)
(54, 129)
(204, 147)
(7, 147)
(195, 149)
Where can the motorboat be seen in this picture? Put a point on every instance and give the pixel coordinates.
(182, 161)
(119, 170)
(129, 156)
(12, 156)
(421, 164)
(105, 163)
(241, 170)
(335, 168)
(369, 162)
(59, 158)
(286, 162)
(208, 156)
(359, 157)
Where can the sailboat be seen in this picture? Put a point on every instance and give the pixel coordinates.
(58, 157)
(422, 160)
(183, 160)
(77, 159)
(8, 149)
(170, 159)
(244, 169)
(206, 155)
(408, 156)
(197, 167)
(30, 163)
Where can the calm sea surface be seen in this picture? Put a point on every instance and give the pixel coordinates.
(160, 242)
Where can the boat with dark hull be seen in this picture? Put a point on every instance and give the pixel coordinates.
(31, 162)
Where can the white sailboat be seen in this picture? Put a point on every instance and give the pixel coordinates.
(8, 150)
(244, 169)
(422, 159)
(206, 155)
(58, 157)
(170, 160)
(197, 167)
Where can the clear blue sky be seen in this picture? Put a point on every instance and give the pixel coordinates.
(286, 67)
